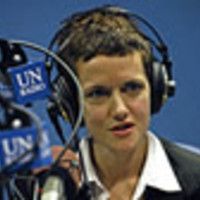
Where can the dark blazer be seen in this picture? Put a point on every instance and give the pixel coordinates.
(186, 166)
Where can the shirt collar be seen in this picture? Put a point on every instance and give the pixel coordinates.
(157, 171)
(87, 162)
(90, 172)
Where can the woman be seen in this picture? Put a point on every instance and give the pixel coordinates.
(114, 62)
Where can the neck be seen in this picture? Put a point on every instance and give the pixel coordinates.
(115, 166)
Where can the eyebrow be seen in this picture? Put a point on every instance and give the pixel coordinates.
(136, 80)
(99, 86)
(93, 87)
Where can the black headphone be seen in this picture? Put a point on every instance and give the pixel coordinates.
(161, 79)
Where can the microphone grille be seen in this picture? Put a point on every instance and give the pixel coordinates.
(53, 189)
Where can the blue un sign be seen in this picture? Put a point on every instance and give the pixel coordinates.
(30, 82)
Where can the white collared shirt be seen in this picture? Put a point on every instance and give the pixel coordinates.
(157, 171)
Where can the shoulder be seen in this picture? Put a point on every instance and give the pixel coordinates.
(186, 165)
(180, 155)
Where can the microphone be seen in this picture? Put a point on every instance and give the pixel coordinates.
(53, 189)
(58, 185)
(24, 145)
(24, 140)
(23, 81)
(11, 55)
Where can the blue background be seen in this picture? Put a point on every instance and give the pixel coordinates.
(176, 20)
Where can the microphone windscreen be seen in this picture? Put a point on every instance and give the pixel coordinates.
(53, 189)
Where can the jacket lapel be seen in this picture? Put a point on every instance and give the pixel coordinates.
(156, 194)
(186, 166)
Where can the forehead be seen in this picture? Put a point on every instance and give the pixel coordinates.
(111, 69)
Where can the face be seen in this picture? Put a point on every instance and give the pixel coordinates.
(117, 101)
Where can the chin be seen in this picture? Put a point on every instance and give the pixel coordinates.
(126, 147)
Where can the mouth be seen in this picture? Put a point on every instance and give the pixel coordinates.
(122, 130)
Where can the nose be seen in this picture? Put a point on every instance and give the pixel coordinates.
(119, 108)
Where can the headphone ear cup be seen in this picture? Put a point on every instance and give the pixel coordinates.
(158, 86)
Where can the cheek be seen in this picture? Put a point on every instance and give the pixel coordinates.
(141, 110)
(94, 116)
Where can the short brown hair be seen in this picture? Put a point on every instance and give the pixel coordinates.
(101, 31)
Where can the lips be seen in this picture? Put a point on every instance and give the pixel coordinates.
(122, 130)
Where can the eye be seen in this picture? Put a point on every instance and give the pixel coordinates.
(97, 93)
(132, 86)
